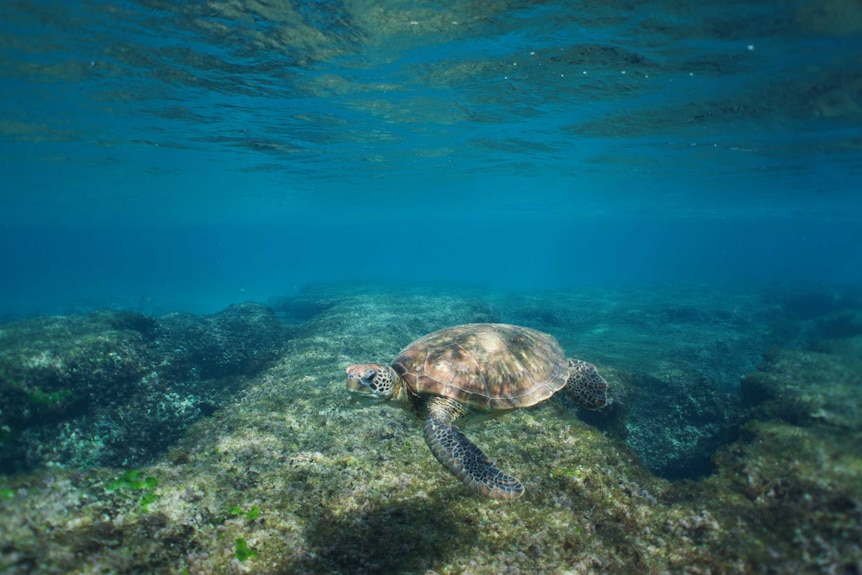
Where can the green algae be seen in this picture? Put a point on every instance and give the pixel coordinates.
(133, 480)
(147, 499)
(48, 399)
(243, 551)
(251, 514)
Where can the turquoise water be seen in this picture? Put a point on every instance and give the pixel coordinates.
(190, 156)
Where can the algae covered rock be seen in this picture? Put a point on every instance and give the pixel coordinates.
(794, 495)
(292, 477)
(113, 388)
(803, 386)
(56, 367)
(240, 339)
(676, 421)
(674, 356)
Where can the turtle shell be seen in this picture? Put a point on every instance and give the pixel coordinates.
(484, 366)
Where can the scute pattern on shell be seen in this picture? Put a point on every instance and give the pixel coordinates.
(486, 367)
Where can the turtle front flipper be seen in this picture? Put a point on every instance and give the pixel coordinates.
(586, 386)
(461, 456)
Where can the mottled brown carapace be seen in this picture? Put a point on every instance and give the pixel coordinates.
(488, 367)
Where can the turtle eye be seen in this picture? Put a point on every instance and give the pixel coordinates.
(368, 375)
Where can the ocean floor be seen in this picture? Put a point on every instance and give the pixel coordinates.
(228, 443)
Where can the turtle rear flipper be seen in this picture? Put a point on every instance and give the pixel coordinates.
(586, 386)
(461, 456)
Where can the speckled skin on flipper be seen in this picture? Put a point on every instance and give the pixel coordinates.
(472, 369)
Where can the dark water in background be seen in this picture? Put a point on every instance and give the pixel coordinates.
(197, 154)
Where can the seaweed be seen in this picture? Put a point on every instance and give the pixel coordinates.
(243, 551)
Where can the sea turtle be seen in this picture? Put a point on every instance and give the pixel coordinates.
(476, 369)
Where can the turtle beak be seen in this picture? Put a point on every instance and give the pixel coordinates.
(359, 379)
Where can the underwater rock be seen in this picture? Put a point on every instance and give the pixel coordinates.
(674, 359)
(691, 330)
(794, 495)
(676, 421)
(238, 340)
(291, 477)
(807, 317)
(813, 302)
(292, 310)
(113, 388)
(804, 386)
(55, 369)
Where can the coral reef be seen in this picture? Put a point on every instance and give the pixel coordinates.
(290, 477)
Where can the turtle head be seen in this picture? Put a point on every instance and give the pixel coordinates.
(372, 381)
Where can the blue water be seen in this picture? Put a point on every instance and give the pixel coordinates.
(188, 156)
